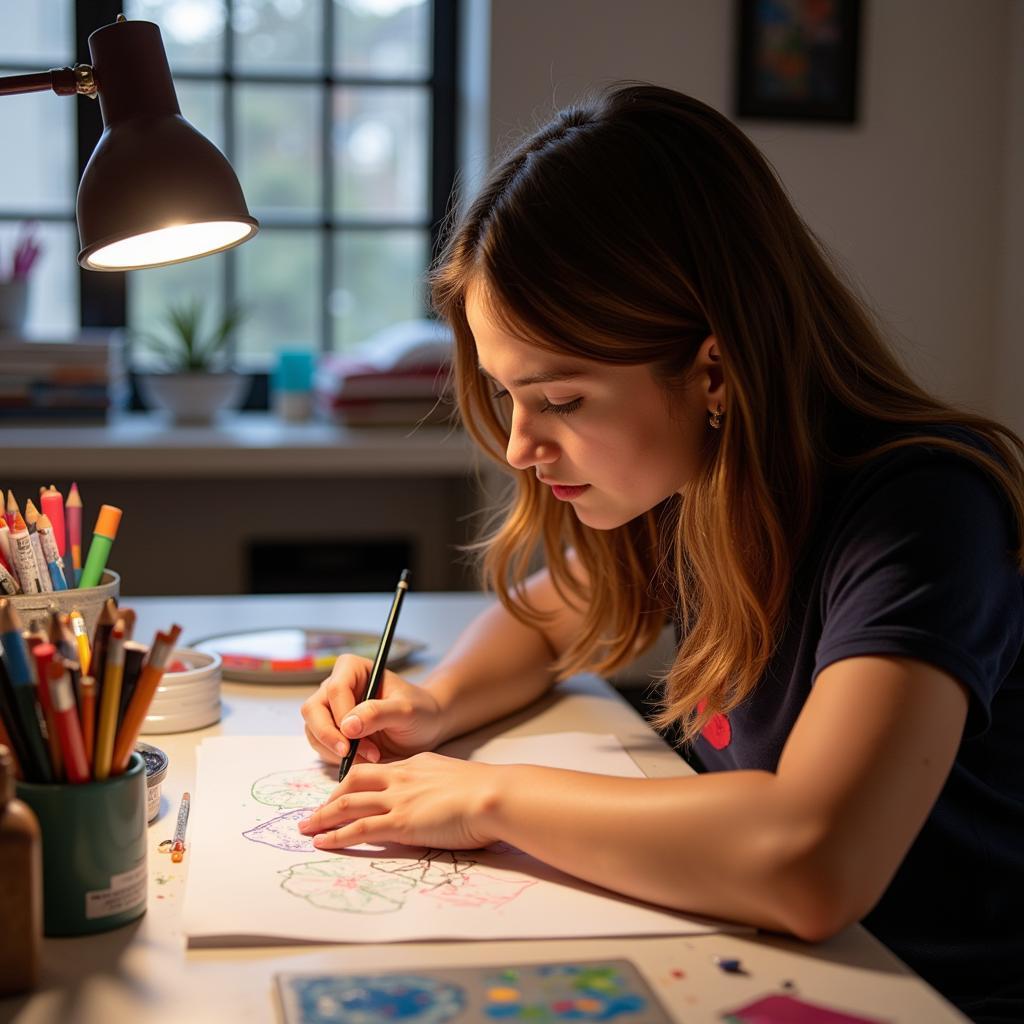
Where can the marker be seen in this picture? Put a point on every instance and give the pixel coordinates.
(149, 680)
(32, 522)
(25, 557)
(26, 708)
(178, 846)
(110, 703)
(103, 535)
(73, 515)
(48, 542)
(87, 714)
(81, 639)
(52, 503)
(377, 672)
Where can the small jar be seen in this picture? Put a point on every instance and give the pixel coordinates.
(21, 895)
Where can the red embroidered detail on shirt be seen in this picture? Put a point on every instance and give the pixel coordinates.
(717, 730)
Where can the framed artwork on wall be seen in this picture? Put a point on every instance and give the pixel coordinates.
(797, 59)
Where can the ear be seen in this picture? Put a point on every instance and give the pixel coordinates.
(708, 367)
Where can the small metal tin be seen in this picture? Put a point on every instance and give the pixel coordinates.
(156, 769)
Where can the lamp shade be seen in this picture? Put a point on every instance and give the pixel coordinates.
(154, 191)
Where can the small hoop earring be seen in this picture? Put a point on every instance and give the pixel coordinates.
(715, 418)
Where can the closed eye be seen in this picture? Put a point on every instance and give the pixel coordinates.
(563, 409)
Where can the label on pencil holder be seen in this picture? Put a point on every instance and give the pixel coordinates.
(125, 891)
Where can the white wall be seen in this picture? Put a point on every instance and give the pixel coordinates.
(912, 198)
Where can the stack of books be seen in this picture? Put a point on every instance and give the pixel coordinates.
(70, 382)
(398, 377)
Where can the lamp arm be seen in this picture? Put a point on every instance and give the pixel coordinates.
(63, 81)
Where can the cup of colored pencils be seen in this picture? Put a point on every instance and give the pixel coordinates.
(41, 554)
(71, 711)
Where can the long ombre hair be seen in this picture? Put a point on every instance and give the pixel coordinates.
(628, 230)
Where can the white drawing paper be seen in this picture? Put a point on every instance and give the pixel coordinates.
(253, 877)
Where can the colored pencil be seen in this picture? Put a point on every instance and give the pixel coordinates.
(69, 730)
(25, 557)
(32, 522)
(81, 639)
(43, 655)
(12, 508)
(87, 714)
(48, 542)
(73, 515)
(110, 703)
(26, 708)
(149, 680)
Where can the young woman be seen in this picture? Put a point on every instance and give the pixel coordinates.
(705, 426)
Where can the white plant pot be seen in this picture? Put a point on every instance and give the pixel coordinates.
(192, 397)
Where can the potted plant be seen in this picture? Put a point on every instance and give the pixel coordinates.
(195, 381)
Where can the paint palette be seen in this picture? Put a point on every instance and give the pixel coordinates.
(293, 654)
(610, 990)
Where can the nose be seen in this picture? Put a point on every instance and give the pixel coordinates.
(525, 449)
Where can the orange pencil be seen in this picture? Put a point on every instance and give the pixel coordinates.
(73, 515)
(110, 703)
(138, 707)
(87, 714)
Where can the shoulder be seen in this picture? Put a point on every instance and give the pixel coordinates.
(933, 478)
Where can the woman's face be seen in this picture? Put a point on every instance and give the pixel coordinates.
(608, 439)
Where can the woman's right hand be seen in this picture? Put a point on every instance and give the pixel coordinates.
(400, 721)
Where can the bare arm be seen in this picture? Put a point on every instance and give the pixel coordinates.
(499, 665)
(806, 850)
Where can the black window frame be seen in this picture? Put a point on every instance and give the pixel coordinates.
(103, 297)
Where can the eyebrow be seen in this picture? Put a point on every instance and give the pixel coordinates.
(546, 377)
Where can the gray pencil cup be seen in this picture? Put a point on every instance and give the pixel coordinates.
(89, 601)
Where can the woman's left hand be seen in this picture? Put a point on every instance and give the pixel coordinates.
(426, 800)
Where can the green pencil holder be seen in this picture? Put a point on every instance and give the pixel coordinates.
(94, 850)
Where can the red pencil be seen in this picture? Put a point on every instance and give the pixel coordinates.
(69, 730)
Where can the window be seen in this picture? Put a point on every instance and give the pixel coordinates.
(338, 117)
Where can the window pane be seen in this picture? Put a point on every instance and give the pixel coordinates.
(38, 172)
(279, 286)
(378, 280)
(381, 152)
(279, 35)
(383, 38)
(192, 30)
(202, 105)
(53, 279)
(278, 148)
(38, 33)
(151, 293)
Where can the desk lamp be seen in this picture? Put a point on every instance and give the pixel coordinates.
(154, 191)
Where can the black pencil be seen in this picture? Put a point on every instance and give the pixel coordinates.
(379, 664)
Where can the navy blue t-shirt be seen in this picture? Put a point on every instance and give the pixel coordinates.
(912, 557)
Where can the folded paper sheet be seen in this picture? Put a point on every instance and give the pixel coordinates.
(253, 877)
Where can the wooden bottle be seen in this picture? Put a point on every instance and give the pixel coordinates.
(21, 895)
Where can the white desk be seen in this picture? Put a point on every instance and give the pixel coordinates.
(142, 973)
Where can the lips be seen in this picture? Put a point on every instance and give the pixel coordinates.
(566, 492)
